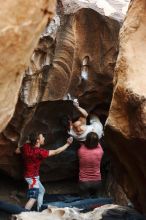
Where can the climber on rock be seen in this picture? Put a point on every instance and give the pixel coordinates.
(33, 155)
(79, 128)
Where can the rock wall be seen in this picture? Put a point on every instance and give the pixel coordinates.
(126, 124)
(55, 70)
(95, 90)
(111, 8)
(21, 24)
(74, 41)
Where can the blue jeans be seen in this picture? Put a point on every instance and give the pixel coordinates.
(10, 208)
(88, 203)
(35, 183)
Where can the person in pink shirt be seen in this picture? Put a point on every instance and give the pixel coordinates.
(90, 154)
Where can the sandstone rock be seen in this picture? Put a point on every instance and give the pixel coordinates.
(62, 74)
(56, 69)
(126, 124)
(94, 92)
(76, 38)
(111, 8)
(106, 212)
(21, 24)
(32, 86)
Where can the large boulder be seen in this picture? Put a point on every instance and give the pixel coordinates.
(21, 23)
(126, 124)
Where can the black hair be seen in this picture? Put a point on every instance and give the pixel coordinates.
(75, 119)
(32, 138)
(92, 140)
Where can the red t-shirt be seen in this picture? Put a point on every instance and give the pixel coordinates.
(33, 157)
(89, 163)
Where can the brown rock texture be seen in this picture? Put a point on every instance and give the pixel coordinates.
(62, 74)
(97, 40)
(126, 125)
(111, 8)
(21, 23)
(55, 70)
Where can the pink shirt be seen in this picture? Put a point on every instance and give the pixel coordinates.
(89, 163)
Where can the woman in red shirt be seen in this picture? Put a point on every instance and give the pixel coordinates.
(33, 155)
(90, 154)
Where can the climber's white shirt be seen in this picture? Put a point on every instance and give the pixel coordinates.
(95, 126)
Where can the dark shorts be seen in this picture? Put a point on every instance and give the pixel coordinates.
(90, 188)
(33, 193)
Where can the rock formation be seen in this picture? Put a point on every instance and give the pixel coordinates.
(111, 8)
(64, 70)
(126, 124)
(76, 55)
(106, 212)
(55, 70)
(21, 24)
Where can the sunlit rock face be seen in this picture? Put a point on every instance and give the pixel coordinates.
(49, 75)
(62, 74)
(126, 124)
(21, 23)
(112, 8)
(35, 75)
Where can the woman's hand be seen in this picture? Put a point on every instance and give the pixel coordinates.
(70, 140)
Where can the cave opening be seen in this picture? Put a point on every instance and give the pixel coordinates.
(58, 174)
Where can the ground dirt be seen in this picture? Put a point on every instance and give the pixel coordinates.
(14, 191)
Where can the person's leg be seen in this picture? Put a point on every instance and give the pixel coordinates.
(32, 192)
(30, 204)
(84, 189)
(41, 195)
(95, 188)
